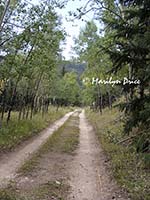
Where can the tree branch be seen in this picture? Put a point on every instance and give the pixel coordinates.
(3, 15)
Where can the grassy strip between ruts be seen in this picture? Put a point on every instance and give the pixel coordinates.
(63, 141)
(128, 167)
(17, 131)
(50, 189)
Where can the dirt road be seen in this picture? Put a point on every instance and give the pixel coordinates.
(80, 175)
(89, 177)
(10, 163)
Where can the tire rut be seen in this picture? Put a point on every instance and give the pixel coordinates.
(10, 164)
(89, 177)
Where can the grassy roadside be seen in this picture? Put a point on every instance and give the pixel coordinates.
(63, 142)
(128, 166)
(17, 131)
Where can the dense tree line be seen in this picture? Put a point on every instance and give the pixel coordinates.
(132, 38)
(122, 50)
(97, 95)
(30, 58)
(30, 55)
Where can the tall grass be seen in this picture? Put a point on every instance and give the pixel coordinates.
(17, 131)
(128, 167)
(64, 142)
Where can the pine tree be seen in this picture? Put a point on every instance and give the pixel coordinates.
(131, 47)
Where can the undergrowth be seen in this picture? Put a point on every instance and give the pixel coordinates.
(17, 131)
(64, 140)
(131, 169)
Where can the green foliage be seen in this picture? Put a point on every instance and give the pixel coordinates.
(64, 140)
(4, 195)
(70, 89)
(123, 50)
(69, 66)
(131, 39)
(88, 46)
(17, 131)
(30, 56)
(49, 189)
(130, 169)
(66, 89)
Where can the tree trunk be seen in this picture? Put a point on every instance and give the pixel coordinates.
(100, 100)
(3, 15)
(3, 105)
(20, 113)
(109, 100)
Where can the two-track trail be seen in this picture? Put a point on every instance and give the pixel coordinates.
(84, 172)
(89, 177)
(10, 163)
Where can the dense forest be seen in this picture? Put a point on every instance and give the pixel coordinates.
(121, 51)
(30, 56)
(34, 75)
(114, 46)
(30, 72)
